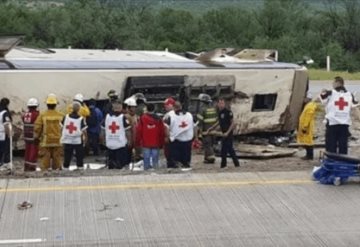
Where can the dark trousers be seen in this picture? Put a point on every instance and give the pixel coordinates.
(179, 152)
(336, 138)
(5, 151)
(118, 158)
(79, 154)
(227, 148)
(309, 152)
(93, 142)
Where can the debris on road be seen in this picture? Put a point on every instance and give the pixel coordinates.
(24, 205)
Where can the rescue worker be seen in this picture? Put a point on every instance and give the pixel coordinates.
(5, 132)
(94, 126)
(48, 133)
(226, 123)
(73, 137)
(207, 117)
(169, 108)
(150, 136)
(117, 133)
(305, 131)
(31, 147)
(131, 104)
(84, 110)
(113, 96)
(338, 103)
(181, 135)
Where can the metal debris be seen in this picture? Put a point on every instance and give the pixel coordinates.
(24, 205)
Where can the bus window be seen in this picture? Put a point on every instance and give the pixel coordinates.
(264, 102)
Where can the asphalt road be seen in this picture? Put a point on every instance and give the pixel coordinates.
(317, 86)
(223, 209)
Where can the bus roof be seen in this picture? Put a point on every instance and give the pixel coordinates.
(26, 58)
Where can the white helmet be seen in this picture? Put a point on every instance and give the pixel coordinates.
(33, 102)
(79, 97)
(130, 101)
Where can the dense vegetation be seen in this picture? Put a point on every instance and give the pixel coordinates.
(295, 28)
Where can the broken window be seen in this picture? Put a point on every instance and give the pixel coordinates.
(264, 102)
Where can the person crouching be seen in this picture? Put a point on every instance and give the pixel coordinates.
(116, 137)
(73, 137)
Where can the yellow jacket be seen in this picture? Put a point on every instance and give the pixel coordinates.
(305, 132)
(47, 128)
(83, 112)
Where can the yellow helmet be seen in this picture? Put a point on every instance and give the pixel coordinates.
(51, 99)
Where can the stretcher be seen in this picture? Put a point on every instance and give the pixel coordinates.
(336, 169)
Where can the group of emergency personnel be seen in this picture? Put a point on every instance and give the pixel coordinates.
(53, 137)
(338, 103)
(129, 136)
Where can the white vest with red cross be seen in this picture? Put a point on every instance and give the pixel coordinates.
(338, 108)
(115, 132)
(181, 127)
(71, 132)
(2, 126)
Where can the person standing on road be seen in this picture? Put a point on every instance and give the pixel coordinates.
(305, 131)
(207, 117)
(181, 135)
(31, 148)
(226, 122)
(73, 137)
(169, 109)
(5, 132)
(338, 103)
(94, 127)
(117, 135)
(150, 136)
(48, 132)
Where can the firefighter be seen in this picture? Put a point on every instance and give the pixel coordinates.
(338, 103)
(84, 109)
(131, 104)
(181, 135)
(48, 132)
(305, 132)
(31, 147)
(117, 138)
(73, 137)
(207, 117)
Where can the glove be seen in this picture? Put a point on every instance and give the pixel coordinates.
(36, 141)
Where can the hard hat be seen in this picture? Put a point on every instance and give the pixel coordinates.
(112, 94)
(130, 101)
(169, 101)
(51, 99)
(79, 97)
(205, 97)
(32, 102)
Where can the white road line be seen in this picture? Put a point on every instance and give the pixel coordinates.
(22, 241)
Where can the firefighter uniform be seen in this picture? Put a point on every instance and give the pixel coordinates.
(305, 132)
(84, 109)
(48, 131)
(207, 117)
(338, 103)
(31, 148)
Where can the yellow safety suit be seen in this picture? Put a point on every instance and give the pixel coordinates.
(48, 131)
(305, 132)
(83, 112)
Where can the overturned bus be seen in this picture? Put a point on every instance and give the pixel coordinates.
(266, 96)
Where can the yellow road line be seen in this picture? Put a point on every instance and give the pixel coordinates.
(163, 185)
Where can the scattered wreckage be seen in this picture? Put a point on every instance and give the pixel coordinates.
(266, 95)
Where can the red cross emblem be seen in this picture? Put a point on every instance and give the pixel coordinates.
(71, 127)
(341, 103)
(113, 127)
(183, 124)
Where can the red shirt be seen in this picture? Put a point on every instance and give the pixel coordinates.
(29, 118)
(150, 132)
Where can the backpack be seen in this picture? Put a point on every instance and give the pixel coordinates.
(92, 120)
